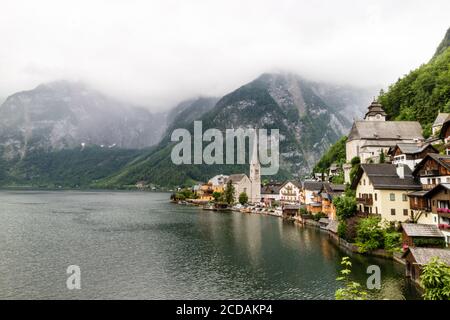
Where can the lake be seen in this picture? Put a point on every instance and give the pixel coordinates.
(137, 245)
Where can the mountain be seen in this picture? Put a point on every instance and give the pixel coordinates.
(422, 93)
(64, 114)
(445, 43)
(310, 116)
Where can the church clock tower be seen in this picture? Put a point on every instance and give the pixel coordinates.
(255, 174)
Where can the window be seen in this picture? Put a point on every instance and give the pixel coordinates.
(392, 196)
(404, 197)
(376, 210)
(364, 181)
(405, 212)
(375, 197)
(392, 212)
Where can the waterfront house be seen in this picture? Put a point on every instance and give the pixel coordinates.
(415, 258)
(410, 154)
(205, 192)
(289, 192)
(327, 194)
(421, 235)
(309, 189)
(271, 192)
(373, 135)
(419, 208)
(433, 170)
(383, 189)
(290, 211)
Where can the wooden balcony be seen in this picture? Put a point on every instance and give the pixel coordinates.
(365, 201)
(429, 173)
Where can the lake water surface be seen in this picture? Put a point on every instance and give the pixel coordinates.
(132, 245)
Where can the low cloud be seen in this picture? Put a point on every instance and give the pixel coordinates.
(156, 53)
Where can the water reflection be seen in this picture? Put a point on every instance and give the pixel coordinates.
(137, 245)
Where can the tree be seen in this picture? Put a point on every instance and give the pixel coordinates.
(345, 206)
(243, 198)
(229, 193)
(351, 289)
(369, 234)
(217, 195)
(435, 280)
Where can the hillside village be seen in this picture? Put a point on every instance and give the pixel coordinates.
(395, 182)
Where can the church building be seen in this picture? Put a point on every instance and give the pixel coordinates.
(374, 134)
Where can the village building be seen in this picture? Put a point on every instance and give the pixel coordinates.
(271, 193)
(433, 170)
(415, 258)
(410, 154)
(421, 235)
(289, 192)
(251, 184)
(205, 192)
(383, 189)
(334, 170)
(374, 135)
(290, 211)
(439, 122)
(439, 205)
(444, 134)
(218, 180)
(310, 188)
(327, 194)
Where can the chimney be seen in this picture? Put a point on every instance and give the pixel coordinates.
(401, 171)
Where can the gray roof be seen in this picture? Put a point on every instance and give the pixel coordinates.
(236, 177)
(324, 220)
(422, 230)
(291, 207)
(424, 255)
(384, 176)
(271, 188)
(388, 130)
(412, 148)
(440, 119)
(313, 185)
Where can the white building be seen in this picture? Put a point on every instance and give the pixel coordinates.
(373, 135)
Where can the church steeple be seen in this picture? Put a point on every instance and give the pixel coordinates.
(255, 173)
(375, 112)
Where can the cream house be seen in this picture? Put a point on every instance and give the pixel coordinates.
(383, 189)
(289, 192)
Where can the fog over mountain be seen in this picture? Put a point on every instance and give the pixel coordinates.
(158, 53)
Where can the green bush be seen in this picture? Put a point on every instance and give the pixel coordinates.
(243, 198)
(345, 206)
(429, 242)
(369, 234)
(435, 279)
(392, 241)
(342, 229)
(319, 215)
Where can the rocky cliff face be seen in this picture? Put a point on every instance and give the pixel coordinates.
(309, 116)
(62, 114)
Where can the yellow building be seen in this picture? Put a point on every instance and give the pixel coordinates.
(383, 189)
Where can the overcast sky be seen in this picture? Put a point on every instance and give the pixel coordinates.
(159, 52)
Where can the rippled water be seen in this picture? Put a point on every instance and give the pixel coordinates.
(139, 246)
